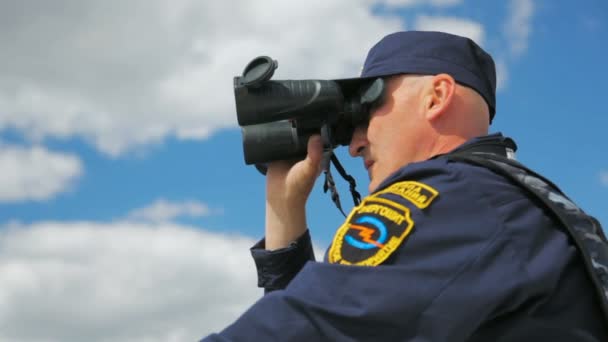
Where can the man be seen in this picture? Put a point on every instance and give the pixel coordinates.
(441, 249)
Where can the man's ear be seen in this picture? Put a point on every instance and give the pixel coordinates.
(440, 95)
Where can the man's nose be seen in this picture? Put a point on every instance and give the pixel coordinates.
(358, 142)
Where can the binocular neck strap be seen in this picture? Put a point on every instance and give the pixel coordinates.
(330, 185)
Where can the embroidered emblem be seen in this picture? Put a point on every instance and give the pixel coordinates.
(371, 233)
(421, 195)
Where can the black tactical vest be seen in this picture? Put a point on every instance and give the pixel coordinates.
(584, 229)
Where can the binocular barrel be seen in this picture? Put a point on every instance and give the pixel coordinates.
(273, 141)
(280, 100)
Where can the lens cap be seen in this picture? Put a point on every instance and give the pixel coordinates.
(259, 70)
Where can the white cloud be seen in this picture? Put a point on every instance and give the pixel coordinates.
(604, 177)
(120, 281)
(162, 210)
(123, 75)
(409, 3)
(502, 74)
(35, 173)
(519, 25)
(458, 26)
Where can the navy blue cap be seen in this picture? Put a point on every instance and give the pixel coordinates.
(431, 53)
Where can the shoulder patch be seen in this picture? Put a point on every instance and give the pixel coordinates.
(421, 195)
(371, 233)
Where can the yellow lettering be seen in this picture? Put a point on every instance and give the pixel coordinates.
(384, 212)
(419, 194)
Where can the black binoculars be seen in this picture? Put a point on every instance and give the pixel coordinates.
(277, 117)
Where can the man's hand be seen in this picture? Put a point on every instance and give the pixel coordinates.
(288, 186)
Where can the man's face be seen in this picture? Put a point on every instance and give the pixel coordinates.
(390, 139)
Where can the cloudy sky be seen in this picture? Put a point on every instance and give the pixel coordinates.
(126, 211)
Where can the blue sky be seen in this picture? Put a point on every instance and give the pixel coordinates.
(123, 118)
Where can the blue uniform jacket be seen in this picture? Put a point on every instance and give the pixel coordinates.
(465, 256)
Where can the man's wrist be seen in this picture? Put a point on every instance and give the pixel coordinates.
(276, 268)
(284, 224)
